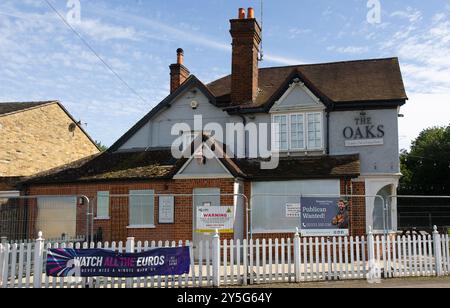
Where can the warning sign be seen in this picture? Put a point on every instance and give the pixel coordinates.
(211, 218)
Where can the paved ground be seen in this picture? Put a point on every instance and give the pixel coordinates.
(391, 283)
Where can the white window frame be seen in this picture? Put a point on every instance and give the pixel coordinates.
(279, 132)
(305, 141)
(305, 115)
(142, 193)
(321, 130)
(100, 195)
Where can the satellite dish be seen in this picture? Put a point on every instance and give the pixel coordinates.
(72, 127)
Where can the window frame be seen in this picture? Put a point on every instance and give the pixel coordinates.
(305, 115)
(291, 148)
(142, 193)
(321, 130)
(280, 132)
(101, 195)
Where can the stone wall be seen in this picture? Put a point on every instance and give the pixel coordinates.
(39, 139)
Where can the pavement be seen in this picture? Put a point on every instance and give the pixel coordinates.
(414, 283)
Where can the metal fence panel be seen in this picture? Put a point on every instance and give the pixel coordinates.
(422, 212)
(60, 217)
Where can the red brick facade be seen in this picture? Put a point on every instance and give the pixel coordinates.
(116, 228)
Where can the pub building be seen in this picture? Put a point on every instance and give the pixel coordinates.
(336, 134)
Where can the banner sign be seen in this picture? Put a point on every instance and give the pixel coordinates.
(106, 263)
(211, 218)
(324, 217)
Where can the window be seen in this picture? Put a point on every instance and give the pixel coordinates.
(270, 199)
(142, 208)
(57, 217)
(315, 130)
(299, 131)
(281, 138)
(103, 204)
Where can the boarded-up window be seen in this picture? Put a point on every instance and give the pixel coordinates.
(270, 201)
(142, 208)
(57, 217)
(103, 204)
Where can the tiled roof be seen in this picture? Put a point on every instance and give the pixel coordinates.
(303, 168)
(7, 108)
(159, 164)
(155, 164)
(340, 82)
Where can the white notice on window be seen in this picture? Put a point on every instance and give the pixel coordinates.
(166, 210)
(293, 210)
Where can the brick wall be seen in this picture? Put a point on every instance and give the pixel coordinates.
(115, 228)
(38, 140)
(357, 205)
(246, 34)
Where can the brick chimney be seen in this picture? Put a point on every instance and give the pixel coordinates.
(246, 34)
(178, 72)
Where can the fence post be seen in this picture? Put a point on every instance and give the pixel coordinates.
(38, 261)
(2, 252)
(216, 259)
(297, 256)
(437, 251)
(372, 274)
(130, 249)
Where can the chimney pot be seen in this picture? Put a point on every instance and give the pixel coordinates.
(251, 13)
(241, 13)
(180, 56)
(178, 72)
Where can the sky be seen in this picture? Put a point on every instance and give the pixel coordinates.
(41, 58)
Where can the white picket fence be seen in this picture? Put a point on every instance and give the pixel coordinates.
(233, 263)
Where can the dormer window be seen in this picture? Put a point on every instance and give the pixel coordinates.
(299, 131)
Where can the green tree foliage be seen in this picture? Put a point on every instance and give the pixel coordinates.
(426, 167)
(101, 146)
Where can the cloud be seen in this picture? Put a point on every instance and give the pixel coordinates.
(99, 30)
(352, 50)
(296, 32)
(186, 33)
(411, 14)
(425, 54)
(422, 111)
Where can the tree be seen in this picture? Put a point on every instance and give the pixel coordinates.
(426, 167)
(102, 147)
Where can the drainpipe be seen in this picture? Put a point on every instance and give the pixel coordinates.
(328, 132)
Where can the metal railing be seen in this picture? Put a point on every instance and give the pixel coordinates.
(421, 212)
(299, 196)
(117, 201)
(65, 216)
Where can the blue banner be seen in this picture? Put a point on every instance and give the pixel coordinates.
(324, 216)
(106, 263)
